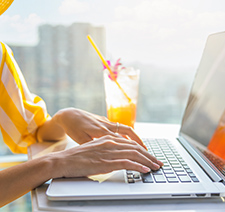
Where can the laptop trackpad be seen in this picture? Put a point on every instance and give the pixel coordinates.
(110, 184)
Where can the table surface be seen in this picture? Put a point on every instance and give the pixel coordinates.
(41, 203)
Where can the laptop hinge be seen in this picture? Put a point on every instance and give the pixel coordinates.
(197, 156)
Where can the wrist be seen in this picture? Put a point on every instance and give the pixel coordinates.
(55, 163)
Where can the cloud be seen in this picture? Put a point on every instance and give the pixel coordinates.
(162, 31)
(69, 7)
(163, 19)
(154, 15)
(21, 29)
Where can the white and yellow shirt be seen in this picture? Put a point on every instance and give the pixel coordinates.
(21, 112)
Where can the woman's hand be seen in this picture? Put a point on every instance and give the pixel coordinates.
(101, 156)
(83, 126)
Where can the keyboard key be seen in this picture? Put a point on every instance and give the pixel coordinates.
(147, 178)
(158, 172)
(166, 168)
(177, 154)
(168, 171)
(166, 162)
(130, 180)
(181, 173)
(166, 165)
(189, 171)
(174, 163)
(130, 176)
(185, 179)
(172, 160)
(160, 157)
(176, 166)
(172, 180)
(192, 175)
(170, 175)
(173, 149)
(183, 163)
(195, 179)
(157, 152)
(169, 155)
(167, 151)
(159, 179)
(178, 169)
(136, 175)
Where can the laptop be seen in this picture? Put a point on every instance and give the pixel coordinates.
(194, 161)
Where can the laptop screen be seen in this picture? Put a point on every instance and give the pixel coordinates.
(204, 117)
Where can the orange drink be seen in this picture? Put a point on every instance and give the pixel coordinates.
(119, 108)
(125, 114)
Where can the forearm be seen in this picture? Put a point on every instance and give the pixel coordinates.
(51, 130)
(20, 179)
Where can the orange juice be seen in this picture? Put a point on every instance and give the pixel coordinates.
(217, 142)
(119, 107)
(125, 114)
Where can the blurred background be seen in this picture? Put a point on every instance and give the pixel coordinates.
(164, 39)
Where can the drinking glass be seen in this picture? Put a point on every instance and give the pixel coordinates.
(119, 107)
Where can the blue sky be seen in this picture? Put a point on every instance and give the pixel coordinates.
(160, 32)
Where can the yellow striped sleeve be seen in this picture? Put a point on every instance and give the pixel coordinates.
(21, 112)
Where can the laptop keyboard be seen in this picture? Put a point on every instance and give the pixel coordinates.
(175, 169)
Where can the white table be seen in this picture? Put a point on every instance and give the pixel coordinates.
(41, 203)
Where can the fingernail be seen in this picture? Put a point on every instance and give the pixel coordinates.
(146, 169)
(156, 165)
(160, 163)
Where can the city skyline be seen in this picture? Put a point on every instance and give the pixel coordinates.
(61, 65)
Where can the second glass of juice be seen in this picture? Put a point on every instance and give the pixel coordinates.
(119, 107)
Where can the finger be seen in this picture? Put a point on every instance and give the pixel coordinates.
(112, 126)
(108, 128)
(124, 144)
(126, 164)
(126, 130)
(132, 155)
(116, 142)
(103, 131)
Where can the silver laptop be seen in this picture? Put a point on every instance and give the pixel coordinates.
(194, 165)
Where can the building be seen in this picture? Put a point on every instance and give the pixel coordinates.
(63, 68)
